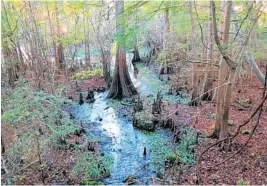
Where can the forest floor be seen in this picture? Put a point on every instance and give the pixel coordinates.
(58, 162)
(247, 167)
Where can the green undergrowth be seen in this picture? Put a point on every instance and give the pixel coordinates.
(38, 123)
(92, 166)
(186, 145)
(160, 147)
(165, 151)
(36, 113)
(90, 182)
(86, 74)
(154, 85)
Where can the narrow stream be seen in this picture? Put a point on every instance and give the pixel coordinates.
(119, 138)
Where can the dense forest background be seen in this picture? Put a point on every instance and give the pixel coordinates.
(196, 69)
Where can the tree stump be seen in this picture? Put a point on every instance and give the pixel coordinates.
(71, 116)
(195, 100)
(139, 105)
(136, 56)
(81, 99)
(168, 123)
(90, 97)
(170, 91)
(135, 71)
(156, 106)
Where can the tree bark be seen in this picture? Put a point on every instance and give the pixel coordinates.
(121, 85)
(136, 56)
(106, 59)
(194, 94)
(59, 55)
(166, 35)
(208, 80)
(86, 42)
(220, 127)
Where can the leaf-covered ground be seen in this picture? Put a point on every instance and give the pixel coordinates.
(247, 167)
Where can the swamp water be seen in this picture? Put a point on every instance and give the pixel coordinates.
(106, 119)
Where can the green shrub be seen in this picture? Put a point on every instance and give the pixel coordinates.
(184, 148)
(172, 158)
(86, 74)
(34, 115)
(162, 57)
(181, 153)
(89, 182)
(243, 182)
(160, 149)
(92, 165)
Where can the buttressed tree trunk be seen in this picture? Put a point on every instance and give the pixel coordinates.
(121, 85)
(220, 130)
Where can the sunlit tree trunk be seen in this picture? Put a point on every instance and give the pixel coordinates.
(220, 127)
(121, 85)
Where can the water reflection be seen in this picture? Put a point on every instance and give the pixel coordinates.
(119, 138)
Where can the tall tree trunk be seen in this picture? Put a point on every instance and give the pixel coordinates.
(122, 85)
(167, 22)
(220, 127)
(136, 56)
(86, 43)
(194, 94)
(35, 48)
(166, 28)
(106, 59)
(51, 29)
(208, 80)
(59, 55)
